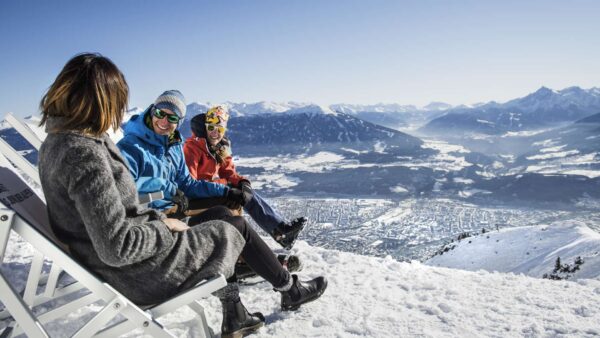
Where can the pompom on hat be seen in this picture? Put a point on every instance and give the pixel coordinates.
(172, 100)
(217, 115)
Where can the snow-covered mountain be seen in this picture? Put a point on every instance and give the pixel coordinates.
(543, 108)
(402, 117)
(311, 128)
(531, 250)
(354, 109)
(573, 149)
(264, 107)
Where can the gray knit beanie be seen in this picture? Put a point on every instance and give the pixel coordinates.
(172, 100)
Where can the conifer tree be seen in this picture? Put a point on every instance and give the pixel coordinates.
(557, 265)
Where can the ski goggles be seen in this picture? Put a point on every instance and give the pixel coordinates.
(212, 127)
(172, 118)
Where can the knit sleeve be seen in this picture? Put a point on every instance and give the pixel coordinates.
(119, 240)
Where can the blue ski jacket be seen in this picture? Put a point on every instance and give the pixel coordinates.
(157, 165)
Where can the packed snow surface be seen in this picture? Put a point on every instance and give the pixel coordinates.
(381, 297)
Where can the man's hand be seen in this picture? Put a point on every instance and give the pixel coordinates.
(175, 225)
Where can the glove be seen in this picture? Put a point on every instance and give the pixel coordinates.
(235, 198)
(180, 200)
(247, 191)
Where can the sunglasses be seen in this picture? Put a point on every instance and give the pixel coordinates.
(172, 118)
(212, 127)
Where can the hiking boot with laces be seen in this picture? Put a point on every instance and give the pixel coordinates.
(286, 233)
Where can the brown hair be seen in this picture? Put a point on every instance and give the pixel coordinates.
(90, 93)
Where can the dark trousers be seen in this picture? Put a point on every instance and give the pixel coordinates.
(256, 252)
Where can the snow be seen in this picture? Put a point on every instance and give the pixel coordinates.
(463, 180)
(552, 149)
(314, 163)
(399, 189)
(524, 133)
(274, 181)
(446, 158)
(553, 155)
(466, 193)
(582, 172)
(485, 122)
(381, 297)
(558, 163)
(530, 250)
(353, 151)
(379, 147)
(545, 143)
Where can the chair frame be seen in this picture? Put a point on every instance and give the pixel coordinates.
(115, 303)
(19, 307)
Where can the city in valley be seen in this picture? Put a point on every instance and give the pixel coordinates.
(410, 229)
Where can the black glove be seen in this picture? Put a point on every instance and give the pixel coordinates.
(235, 198)
(247, 191)
(180, 200)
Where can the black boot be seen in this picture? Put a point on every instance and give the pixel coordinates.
(286, 233)
(302, 292)
(237, 322)
(292, 263)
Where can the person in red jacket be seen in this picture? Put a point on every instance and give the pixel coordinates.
(208, 157)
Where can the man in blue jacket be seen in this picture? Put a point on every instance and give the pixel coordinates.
(152, 147)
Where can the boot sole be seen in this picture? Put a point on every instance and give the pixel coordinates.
(315, 297)
(242, 332)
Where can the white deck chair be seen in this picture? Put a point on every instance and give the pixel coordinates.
(35, 136)
(24, 211)
(36, 278)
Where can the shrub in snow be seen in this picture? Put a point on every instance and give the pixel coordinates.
(563, 271)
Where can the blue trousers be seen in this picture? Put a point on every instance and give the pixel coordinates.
(262, 213)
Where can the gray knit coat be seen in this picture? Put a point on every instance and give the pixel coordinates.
(93, 208)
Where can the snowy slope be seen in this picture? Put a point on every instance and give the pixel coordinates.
(381, 297)
(529, 250)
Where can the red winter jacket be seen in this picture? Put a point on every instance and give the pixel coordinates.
(203, 165)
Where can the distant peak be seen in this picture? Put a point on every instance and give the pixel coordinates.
(543, 90)
(571, 90)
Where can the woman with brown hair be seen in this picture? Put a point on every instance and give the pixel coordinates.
(93, 207)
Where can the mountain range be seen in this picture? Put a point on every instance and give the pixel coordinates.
(541, 109)
(558, 163)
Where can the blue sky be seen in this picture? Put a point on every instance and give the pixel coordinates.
(407, 52)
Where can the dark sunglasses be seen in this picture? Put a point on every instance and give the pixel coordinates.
(172, 118)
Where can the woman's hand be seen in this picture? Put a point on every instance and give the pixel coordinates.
(247, 192)
(175, 225)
